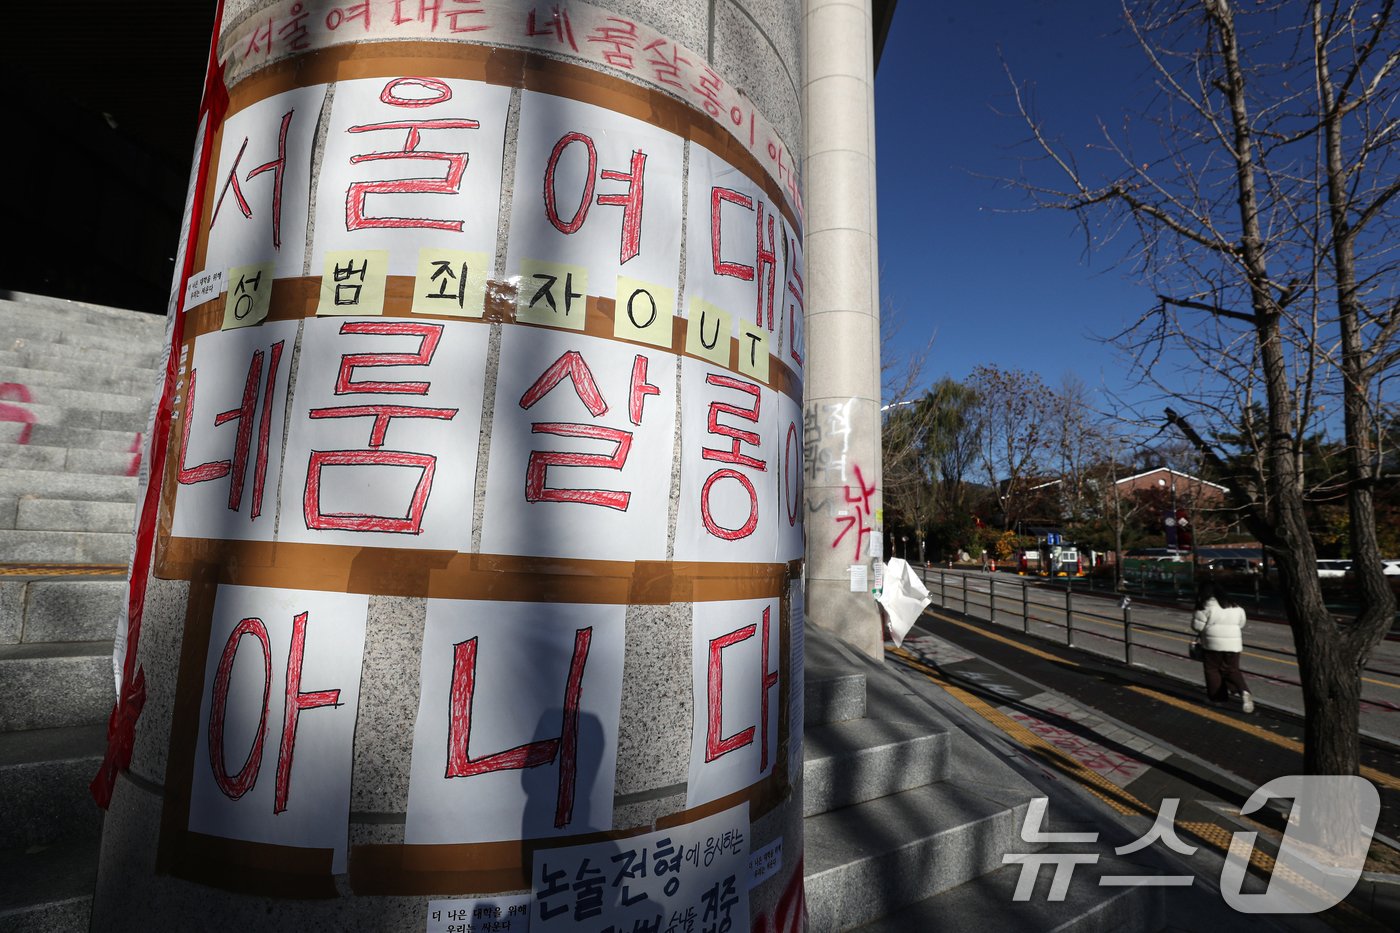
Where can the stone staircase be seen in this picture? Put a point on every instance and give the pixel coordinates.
(907, 816)
(75, 387)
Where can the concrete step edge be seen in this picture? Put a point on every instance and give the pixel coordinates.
(877, 857)
(851, 762)
(988, 902)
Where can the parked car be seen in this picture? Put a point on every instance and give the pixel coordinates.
(1232, 565)
(1391, 566)
(1333, 569)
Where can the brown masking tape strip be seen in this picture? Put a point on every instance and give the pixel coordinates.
(388, 868)
(184, 721)
(256, 867)
(296, 298)
(508, 68)
(495, 867)
(451, 575)
(62, 570)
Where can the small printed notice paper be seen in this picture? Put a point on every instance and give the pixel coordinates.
(859, 580)
(508, 914)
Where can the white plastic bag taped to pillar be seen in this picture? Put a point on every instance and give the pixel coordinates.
(904, 598)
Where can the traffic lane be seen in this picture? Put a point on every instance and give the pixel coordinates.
(1269, 631)
(1160, 642)
(1257, 749)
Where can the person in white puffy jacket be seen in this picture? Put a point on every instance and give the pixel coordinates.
(1219, 626)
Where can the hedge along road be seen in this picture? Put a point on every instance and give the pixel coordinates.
(1160, 636)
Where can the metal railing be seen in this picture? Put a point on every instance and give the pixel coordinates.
(1000, 605)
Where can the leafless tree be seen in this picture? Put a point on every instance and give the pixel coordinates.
(1258, 194)
(1010, 416)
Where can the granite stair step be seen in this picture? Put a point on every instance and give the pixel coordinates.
(91, 418)
(64, 547)
(15, 484)
(60, 364)
(86, 399)
(1086, 908)
(851, 762)
(96, 345)
(832, 695)
(44, 777)
(45, 686)
(54, 435)
(59, 609)
(869, 860)
(75, 515)
(48, 888)
(72, 459)
(135, 382)
(80, 311)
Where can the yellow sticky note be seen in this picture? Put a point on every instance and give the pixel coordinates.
(552, 294)
(707, 332)
(249, 295)
(451, 281)
(753, 351)
(352, 282)
(644, 312)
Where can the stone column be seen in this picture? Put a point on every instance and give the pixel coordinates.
(842, 410)
(467, 574)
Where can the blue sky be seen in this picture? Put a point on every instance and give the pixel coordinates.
(962, 256)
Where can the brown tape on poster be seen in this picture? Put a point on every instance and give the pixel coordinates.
(451, 575)
(500, 867)
(293, 299)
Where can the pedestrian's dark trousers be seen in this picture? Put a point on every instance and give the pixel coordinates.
(1223, 675)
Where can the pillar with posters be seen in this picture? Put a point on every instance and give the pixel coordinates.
(467, 586)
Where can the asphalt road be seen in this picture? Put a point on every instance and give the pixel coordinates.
(1160, 636)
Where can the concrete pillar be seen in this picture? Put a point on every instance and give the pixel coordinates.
(845, 519)
(468, 568)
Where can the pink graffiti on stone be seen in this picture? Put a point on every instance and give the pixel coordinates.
(17, 392)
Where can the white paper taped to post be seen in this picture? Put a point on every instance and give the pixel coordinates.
(904, 598)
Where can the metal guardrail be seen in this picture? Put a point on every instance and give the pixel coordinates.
(1021, 610)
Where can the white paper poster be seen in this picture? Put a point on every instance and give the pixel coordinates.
(262, 187)
(698, 872)
(277, 717)
(737, 255)
(792, 543)
(409, 163)
(735, 664)
(729, 467)
(582, 440)
(231, 433)
(793, 329)
(597, 190)
(386, 420)
(516, 735)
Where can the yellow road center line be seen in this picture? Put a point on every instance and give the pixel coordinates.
(1372, 774)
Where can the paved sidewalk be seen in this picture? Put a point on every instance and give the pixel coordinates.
(1133, 739)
